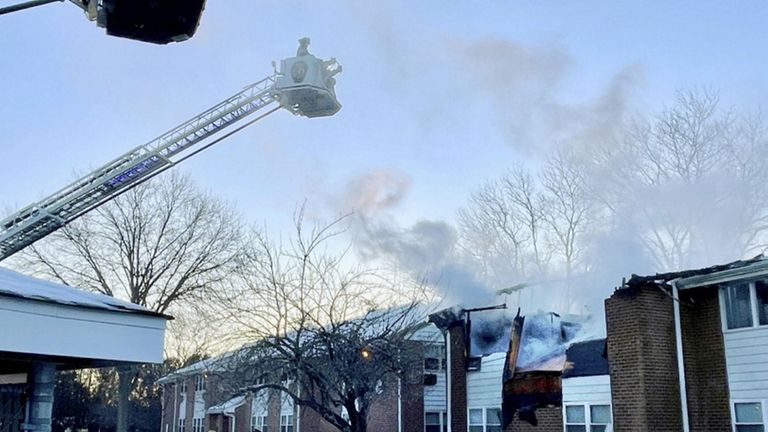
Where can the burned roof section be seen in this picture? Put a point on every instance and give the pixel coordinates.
(586, 358)
(663, 278)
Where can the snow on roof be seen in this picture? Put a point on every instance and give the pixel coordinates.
(14, 284)
(227, 407)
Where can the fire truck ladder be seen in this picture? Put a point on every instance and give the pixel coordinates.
(304, 86)
(143, 162)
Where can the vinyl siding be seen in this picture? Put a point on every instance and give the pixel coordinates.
(435, 396)
(484, 386)
(746, 355)
(429, 333)
(589, 389)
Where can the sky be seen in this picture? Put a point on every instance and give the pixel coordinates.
(437, 96)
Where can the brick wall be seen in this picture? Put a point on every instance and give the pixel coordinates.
(383, 412)
(458, 365)
(169, 408)
(190, 406)
(243, 417)
(213, 396)
(642, 356)
(550, 419)
(704, 357)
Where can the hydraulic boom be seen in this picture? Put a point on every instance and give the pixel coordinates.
(304, 86)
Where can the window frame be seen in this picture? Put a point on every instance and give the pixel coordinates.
(484, 410)
(442, 422)
(182, 424)
(440, 358)
(260, 421)
(753, 307)
(200, 383)
(763, 408)
(285, 426)
(588, 423)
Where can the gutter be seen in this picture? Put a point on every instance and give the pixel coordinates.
(232, 423)
(680, 359)
(448, 389)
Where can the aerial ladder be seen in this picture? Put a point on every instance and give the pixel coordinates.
(304, 85)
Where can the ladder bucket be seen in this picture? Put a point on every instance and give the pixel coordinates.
(305, 84)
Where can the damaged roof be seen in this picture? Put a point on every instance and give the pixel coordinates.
(693, 278)
(586, 358)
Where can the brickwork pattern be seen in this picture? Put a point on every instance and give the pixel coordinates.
(550, 419)
(642, 356)
(458, 364)
(704, 357)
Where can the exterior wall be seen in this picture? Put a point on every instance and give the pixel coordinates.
(642, 356)
(704, 356)
(746, 352)
(588, 389)
(435, 395)
(169, 408)
(243, 418)
(383, 414)
(457, 363)
(484, 386)
(549, 419)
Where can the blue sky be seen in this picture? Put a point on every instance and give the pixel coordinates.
(442, 94)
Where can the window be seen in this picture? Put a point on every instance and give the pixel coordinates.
(492, 420)
(199, 383)
(761, 294)
(587, 418)
(183, 387)
(575, 418)
(259, 423)
(485, 420)
(197, 425)
(434, 358)
(738, 306)
(436, 421)
(748, 417)
(745, 304)
(476, 420)
(181, 424)
(286, 423)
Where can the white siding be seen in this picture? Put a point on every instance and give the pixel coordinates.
(434, 396)
(590, 389)
(484, 386)
(429, 333)
(260, 403)
(199, 405)
(746, 355)
(71, 331)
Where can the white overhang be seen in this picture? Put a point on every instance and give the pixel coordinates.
(41, 319)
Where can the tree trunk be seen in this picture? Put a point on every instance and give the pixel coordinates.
(125, 375)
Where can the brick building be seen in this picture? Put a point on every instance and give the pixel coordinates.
(685, 351)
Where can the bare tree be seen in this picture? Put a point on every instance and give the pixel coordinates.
(566, 205)
(502, 228)
(330, 336)
(159, 244)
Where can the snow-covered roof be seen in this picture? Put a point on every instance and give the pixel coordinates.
(227, 407)
(15, 284)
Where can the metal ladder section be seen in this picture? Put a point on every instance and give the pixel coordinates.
(42, 218)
